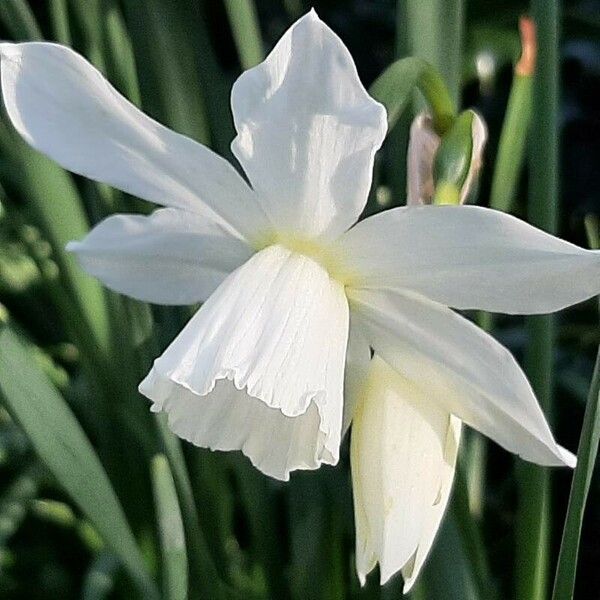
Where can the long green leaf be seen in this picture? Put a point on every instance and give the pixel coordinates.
(50, 194)
(203, 577)
(246, 32)
(564, 584)
(19, 20)
(170, 528)
(63, 446)
(165, 47)
(59, 17)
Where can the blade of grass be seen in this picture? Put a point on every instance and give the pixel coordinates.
(170, 525)
(165, 48)
(118, 52)
(50, 194)
(533, 525)
(18, 19)
(59, 17)
(436, 35)
(564, 583)
(61, 443)
(204, 581)
(246, 31)
(566, 571)
(470, 533)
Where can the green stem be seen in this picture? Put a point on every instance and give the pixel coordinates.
(436, 34)
(564, 584)
(470, 533)
(203, 577)
(533, 520)
(246, 32)
(511, 147)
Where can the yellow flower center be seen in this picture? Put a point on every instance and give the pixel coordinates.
(323, 253)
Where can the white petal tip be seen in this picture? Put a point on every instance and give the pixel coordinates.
(73, 246)
(9, 50)
(569, 459)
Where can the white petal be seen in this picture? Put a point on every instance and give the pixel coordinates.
(403, 453)
(358, 360)
(308, 131)
(470, 257)
(465, 369)
(230, 419)
(170, 257)
(275, 332)
(65, 108)
(411, 571)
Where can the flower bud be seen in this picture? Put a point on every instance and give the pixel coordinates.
(443, 170)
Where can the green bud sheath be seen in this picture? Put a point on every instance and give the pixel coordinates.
(453, 160)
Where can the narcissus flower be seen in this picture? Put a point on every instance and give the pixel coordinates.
(293, 289)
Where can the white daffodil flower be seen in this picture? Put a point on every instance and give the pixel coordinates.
(295, 296)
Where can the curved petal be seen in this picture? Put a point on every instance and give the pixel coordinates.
(230, 419)
(65, 108)
(308, 131)
(468, 372)
(276, 330)
(170, 257)
(470, 257)
(403, 454)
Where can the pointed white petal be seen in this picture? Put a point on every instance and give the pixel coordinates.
(170, 257)
(464, 368)
(272, 336)
(403, 453)
(410, 571)
(470, 257)
(308, 131)
(358, 359)
(66, 109)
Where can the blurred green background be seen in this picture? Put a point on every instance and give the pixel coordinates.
(86, 348)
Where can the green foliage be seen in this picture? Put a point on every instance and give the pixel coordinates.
(171, 531)
(59, 440)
